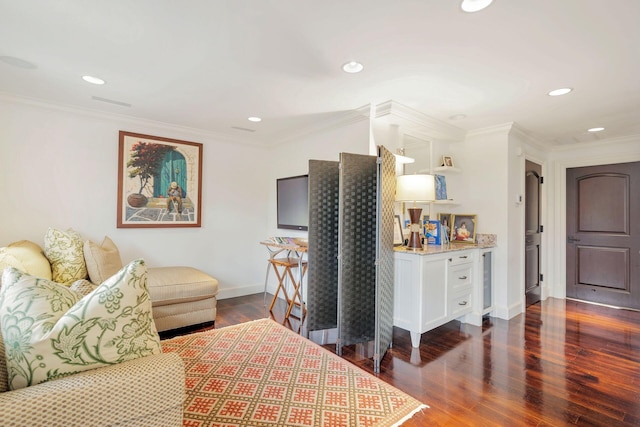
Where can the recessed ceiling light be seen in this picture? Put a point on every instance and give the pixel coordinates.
(561, 91)
(17, 62)
(93, 80)
(352, 67)
(254, 119)
(595, 129)
(474, 5)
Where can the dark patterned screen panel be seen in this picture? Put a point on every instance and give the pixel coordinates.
(357, 249)
(322, 276)
(386, 192)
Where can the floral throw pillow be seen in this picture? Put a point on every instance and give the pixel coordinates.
(49, 332)
(64, 250)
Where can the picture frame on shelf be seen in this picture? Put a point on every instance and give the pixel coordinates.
(463, 229)
(398, 237)
(441, 187)
(445, 222)
(447, 161)
(159, 182)
(424, 224)
(433, 232)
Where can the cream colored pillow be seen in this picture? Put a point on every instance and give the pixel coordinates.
(64, 251)
(49, 332)
(102, 261)
(25, 256)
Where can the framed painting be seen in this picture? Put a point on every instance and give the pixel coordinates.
(463, 228)
(398, 238)
(445, 221)
(445, 226)
(159, 182)
(441, 187)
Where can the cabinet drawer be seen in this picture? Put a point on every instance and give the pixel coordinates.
(459, 277)
(460, 258)
(460, 304)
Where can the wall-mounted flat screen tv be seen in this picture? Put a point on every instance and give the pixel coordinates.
(293, 202)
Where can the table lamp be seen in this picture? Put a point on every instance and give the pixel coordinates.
(415, 188)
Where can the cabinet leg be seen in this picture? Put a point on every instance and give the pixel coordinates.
(415, 339)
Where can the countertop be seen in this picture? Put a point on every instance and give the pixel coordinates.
(441, 249)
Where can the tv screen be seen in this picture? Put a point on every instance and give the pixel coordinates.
(293, 202)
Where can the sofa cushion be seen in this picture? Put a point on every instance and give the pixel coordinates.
(64, 250)
(50, 333)
(26, 256)
(103, 260)
(175, 285)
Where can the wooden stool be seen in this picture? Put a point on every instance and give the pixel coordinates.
(288, 264)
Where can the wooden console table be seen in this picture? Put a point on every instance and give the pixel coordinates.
(287, 263)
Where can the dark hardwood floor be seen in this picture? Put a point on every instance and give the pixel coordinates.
(560, 363)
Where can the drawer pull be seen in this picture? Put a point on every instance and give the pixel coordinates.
(463, 256)
(462, 303)
(462, 277)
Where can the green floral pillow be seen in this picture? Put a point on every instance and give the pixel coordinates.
(64, 250)
(49, 332)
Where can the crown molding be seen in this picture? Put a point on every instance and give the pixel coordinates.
(128, 119)
(416, 123)
(628, 139)
(529, 138)
(503, 128)
(335, 121)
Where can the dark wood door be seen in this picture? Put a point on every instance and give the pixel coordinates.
(603, 234)
(533, 228)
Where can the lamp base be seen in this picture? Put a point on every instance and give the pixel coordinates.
(414, 239)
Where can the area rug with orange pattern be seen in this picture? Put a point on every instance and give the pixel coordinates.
(260, 373)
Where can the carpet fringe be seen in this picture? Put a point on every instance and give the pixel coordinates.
(409, 416)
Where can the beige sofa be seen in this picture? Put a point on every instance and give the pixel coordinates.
(144, 392)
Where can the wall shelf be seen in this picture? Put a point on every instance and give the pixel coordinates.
(447, 169)
(449, 202)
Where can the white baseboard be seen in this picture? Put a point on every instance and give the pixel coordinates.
(240, 291)
(507, 313)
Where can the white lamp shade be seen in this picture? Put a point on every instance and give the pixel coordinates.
(415, 188)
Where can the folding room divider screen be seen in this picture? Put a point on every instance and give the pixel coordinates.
(384, 253)
(322, 275)
(350, 281)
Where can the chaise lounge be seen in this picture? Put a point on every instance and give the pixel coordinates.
(146, 391)
(181, 296)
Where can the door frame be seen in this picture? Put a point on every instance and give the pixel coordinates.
(542, 222)
(559, 290)
(545, 216)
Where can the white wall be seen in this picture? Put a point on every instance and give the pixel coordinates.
(60, 165)
(292, 158)
(484, 160)
(60, 168)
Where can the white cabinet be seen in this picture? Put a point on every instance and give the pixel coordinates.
(431, 289)
(460, 277)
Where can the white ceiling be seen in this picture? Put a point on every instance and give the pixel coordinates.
(210, 64)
